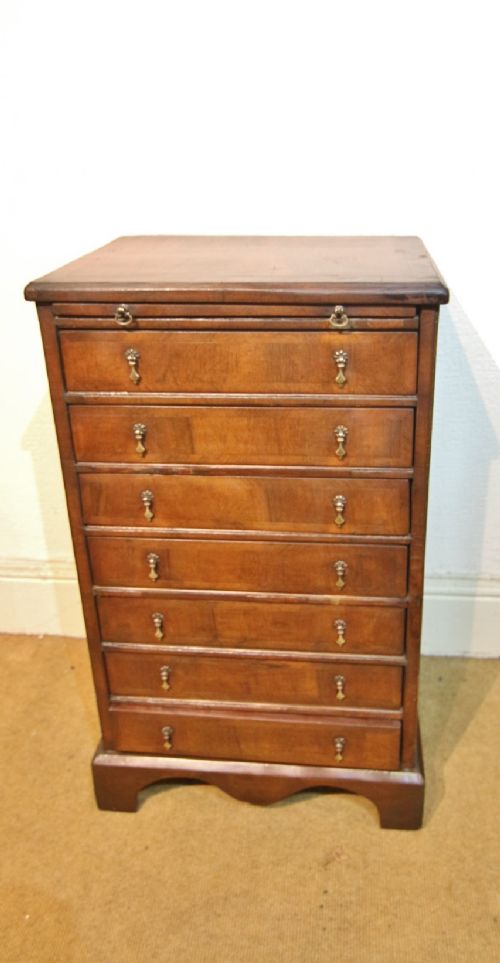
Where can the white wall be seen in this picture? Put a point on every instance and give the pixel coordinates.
(275, 117)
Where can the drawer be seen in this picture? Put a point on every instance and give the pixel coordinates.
(298, 626)
(246, 503)
(373, 363)
(250, 566)
(375, 437)
(257, 680)
(259, 737)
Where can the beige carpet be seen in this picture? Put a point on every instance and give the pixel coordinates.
(197, 876)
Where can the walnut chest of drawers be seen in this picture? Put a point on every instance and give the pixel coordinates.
(244, 427)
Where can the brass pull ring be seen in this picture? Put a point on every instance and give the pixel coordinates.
(123, 316)
(339, 318)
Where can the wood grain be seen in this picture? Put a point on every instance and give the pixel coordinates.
(249, 566)
(257, 736)
(372, 506)
(255, 680)
(256, 624)
(263, 436)
(282, 362)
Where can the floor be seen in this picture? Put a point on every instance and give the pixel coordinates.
(197, 876)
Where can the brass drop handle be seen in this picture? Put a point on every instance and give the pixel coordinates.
(341, 360)
(340, 687)
(340, 569)
(165, 676)
(123, 316)
(341, 627)
(341, 433)
(139, 435)
(339, 318)
(340, 502)
(147, 499)
(168, 737)
(339, 743)
(158, 622)
(132, 357)
(153, 562)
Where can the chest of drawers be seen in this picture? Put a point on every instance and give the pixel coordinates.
(244, 427)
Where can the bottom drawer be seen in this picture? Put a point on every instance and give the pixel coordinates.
(262, 737)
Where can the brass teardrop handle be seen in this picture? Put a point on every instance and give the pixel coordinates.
(339, 318)
(339, 743)
(340, 502)
(158, 622)
(340, 569)
(168, 737)
(341, 433)
(153, 562)
(147, 499)
(123, 316)
(340, 687)
(139, 435)
(341, 627)
(132, 357)
(341, 360)
(165, 677)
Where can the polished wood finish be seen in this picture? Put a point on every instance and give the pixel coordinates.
(246, 436)
(335, 270)
(250, 566)
(247, 503)
(257, 680)
(259, 736)
(256, 624)
(239, 632)
(277, 362)
(398, 795)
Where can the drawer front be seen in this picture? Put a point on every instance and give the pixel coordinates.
(249, 566)
(289, 626)
(215, 362)
(258, 737)
(323, 505)
(375, 437)
(256, 680)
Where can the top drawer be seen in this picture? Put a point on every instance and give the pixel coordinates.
(369, 363)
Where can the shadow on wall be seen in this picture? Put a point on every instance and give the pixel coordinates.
(63, 609)
(461, 519)
(466, 445)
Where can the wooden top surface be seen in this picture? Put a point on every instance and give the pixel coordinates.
(258, 269)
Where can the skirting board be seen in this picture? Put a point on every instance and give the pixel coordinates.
(461, 615)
